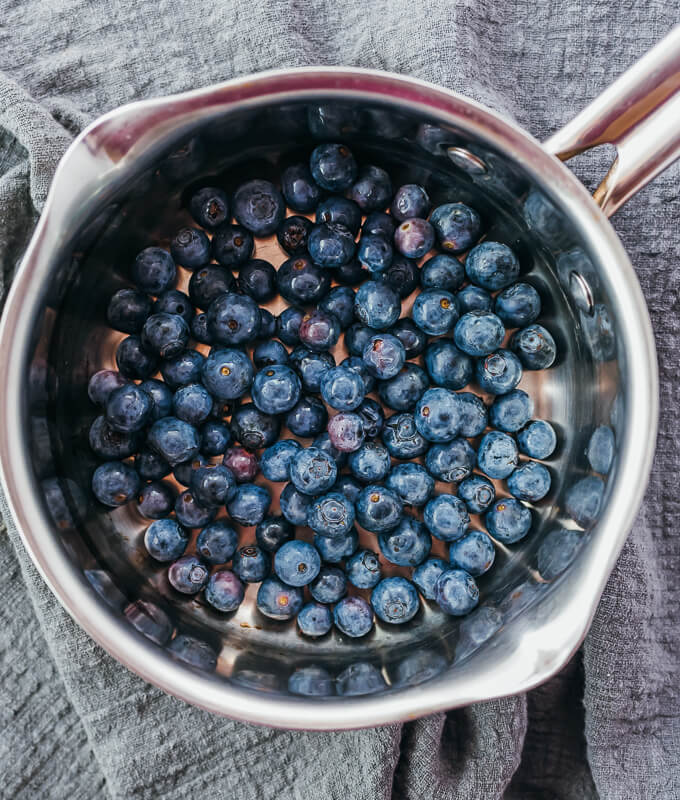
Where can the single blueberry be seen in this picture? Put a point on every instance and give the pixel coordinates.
(251, 564)
(511, 411)
(156, 500)
(161, 396)
(330, 244)
(311, 367)
(452, 461)
(127, 310)
(259, 207)
(249, 504)
(363, 569)
(272, 532)
(600, 450)
(278, 601)
(411, 482)
(253, 428)
(474, 553)
(133, 360)
(192, 403)
(583, 501)
(257, 278)
(217, 542)
(183, 369)
(395, 600)
(311, 681)
(276, 389)
(190, 248)
(208, 283)
(402, 392)
(212, 485)
(198, 327)
(492, 266)
(191, 513)
(508, 520)
(378, 223)
(407, 545)
(351, 274)
(378, 509)
(372, 416)
(293, 234)
(518, 305)
(175, 440)
(448, 366)
(165, 335)
(342, 388)
(333, 167)
(242, 464)
(356, 337)
(497, 455)
(456, 592)
(427, 574)
(333, 550)
(308, 418)
(473, 298)
(129, 408)
(346, 432)
(384, 355)
(275, 461)
(375, 253)
(312, 471)
(410, 335)
(188, 575)
(154, 271)
(401, 437)
(403, 275)
(530, 481)
(329, 586)
(294, 505)
(360, 678)
(297, 563)
(535, 347)
(477, 493)
(339, 210)
(377, 305)
(499, 372)
(150, 465)
(232, 245)
(288, 325)
(319, 330)
(410, 200)
(268, 353)
(437, 415)
(209, 207)
(435, 311)
(227, 374)
(234, 319)
(414, 237)
(102, 383)
(224, 591)
(456, 225)
(370, 463)
(558, 549)
(340, 303)
(353, 616)
(538, 439)
(165, 540)
(372, 189)
(110, 444)
(299, 189)
(446, 517)
(442, 272)
(479, 333)
(302, 281)
(314, 619)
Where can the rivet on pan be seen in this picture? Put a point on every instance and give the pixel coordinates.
(580, 292)
(466, 160)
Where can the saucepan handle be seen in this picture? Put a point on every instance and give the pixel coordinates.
(640, 115)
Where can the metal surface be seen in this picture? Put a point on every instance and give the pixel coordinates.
(110, 197)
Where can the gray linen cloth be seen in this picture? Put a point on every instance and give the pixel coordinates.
(75, 724)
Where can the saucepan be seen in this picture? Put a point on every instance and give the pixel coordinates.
(122, 185)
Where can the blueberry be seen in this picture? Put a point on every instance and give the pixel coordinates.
(402, 392)
(161, 396)
(269, 353)
(165, 335)
(208, 283)
(600, 450)
(293, 234)
(259, 207)
(192, 403)
(378, 509)
(232, 245)
(192, 651)
(314, 619)
(530, 481)
(499, 372)
(353, 616)
(384, 355)
(403, 275)
(583, 501)
(377, 305)
(333, 167)
(110, 444)
(330, 244)
(442, 272)
(359, 366)
(363, 569)
(558, 549)
(329, 586)
(311, 366)
(456, 592)
(447, 366)
(411, 482)
(102, 383)
(217, 542)
(294, 505)
(535, 347)
(312, 471)
(302, 281)
(409, 201)
(319, 331)
(477, 493)
(275, 390)
(182, 472)
(188, 575)
(257, 278)
(497, 455)
(251, 564)
(451, 462)
(356, 338)
(370, 463)
(410, 335)
(311, 681)
(308, 418)
(183, 369)
(331, 515)
(446, 517)
(150, 465)
(190, 248)
(224, 591)
(427, 574)
(267, 325)
(242, 464)
(372, 189)
(249, 504)
(198, 328)
(347, 486)
(154, 271)
(538, 439)
(323, 442)
(190, 513)
(209, 207)
(375, 253)
(456, 225)
(346, 432)
(342, 388)
(401, 437)
(133, 360)
(288, 325)
(378, 223)
(156, 500)
(149, 620)
(272, 532)
(492, 266)
(275, 461)
(115, 483)
(351, 274)
(435, 311)
(233, 319)
(518, 305)
(408, 545)
(127, 310)
(165, 540)
(511, 411)
(299, 189)
(339, 210)
(474, 553)
(297, 563)
(479, 333)
(372, 416)
(395, 600)
(340, 303)
(437, 415)
(276, 600)
(358, 679)
(335, 549)
(473, 298)
(414, 237)
(129, 408)
(212, 485)
(508, 520)
(227, 374)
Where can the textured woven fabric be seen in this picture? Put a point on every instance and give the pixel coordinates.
(74, 724)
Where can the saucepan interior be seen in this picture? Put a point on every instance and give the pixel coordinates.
(242, 663)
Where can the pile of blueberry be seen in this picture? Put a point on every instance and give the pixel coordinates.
(316, 425)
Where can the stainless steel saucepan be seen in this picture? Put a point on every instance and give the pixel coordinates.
(122, 186)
